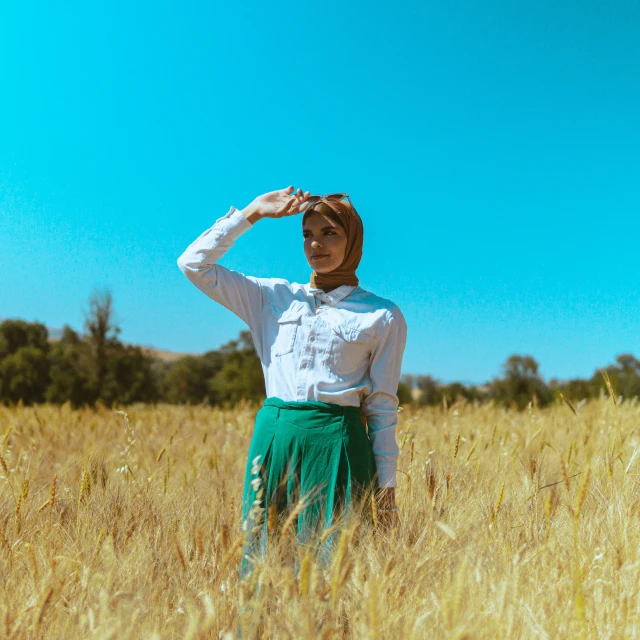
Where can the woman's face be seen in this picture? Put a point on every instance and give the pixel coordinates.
(325, 242)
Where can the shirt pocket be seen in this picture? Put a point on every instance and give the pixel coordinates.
(349, 349)
(288, 324)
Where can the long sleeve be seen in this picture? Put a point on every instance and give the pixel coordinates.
(380, 407)
(239, 293)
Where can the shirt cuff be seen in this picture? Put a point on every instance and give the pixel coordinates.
(386, 469)
(237, 220)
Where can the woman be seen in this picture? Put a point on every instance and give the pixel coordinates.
(331, 354)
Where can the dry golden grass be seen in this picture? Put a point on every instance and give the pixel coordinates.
(512, 525)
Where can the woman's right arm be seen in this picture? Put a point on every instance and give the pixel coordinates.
(240, 294)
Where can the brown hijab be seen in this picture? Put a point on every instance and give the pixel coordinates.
(347, 217)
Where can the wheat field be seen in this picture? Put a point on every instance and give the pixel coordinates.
(513, 525)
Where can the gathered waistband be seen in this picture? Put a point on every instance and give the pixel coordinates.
(312, 405)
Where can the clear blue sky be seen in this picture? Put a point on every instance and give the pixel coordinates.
(492, 149)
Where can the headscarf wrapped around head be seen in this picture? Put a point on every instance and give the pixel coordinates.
(347, 217)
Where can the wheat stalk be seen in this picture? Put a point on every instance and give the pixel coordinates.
(496, 509)
(272, 512)
(18, 513)
(305, 572)
(6, 435)
(46, 601)
(9, 477)
(473, 448)
(610, 389)
(582, 492)
(568, 403)
(565, 475)
(5, 542)
(548, 512)
(374, 511)
(179, 554)
(295, 512)
(337, 567)
(52, 491)
(374, 623)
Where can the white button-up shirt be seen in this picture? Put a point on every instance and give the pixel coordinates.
(344, 347)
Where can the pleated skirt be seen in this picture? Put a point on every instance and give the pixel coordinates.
(311, 457)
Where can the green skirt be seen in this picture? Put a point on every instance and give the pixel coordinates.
(315, 451)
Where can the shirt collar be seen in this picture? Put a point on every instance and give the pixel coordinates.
(332, 297)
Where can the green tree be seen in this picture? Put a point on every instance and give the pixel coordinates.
(404, 392)
(24, 375)
(187, 380)
(15, 334)
(241, 374)
(521, 383)
(128, 376)
(456, 391)
(429, 390)
(624, 375)
(575, 390)
(102, 334)
(69, 364)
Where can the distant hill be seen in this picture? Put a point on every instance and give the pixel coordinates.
(163, 354)
(154, 352)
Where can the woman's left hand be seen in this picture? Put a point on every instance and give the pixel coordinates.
(386, 499)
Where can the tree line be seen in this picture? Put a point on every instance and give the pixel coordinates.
(521, 384)
(97, 367)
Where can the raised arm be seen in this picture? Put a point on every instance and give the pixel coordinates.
(239, 293)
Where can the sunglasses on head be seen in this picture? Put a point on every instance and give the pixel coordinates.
(330, 197)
